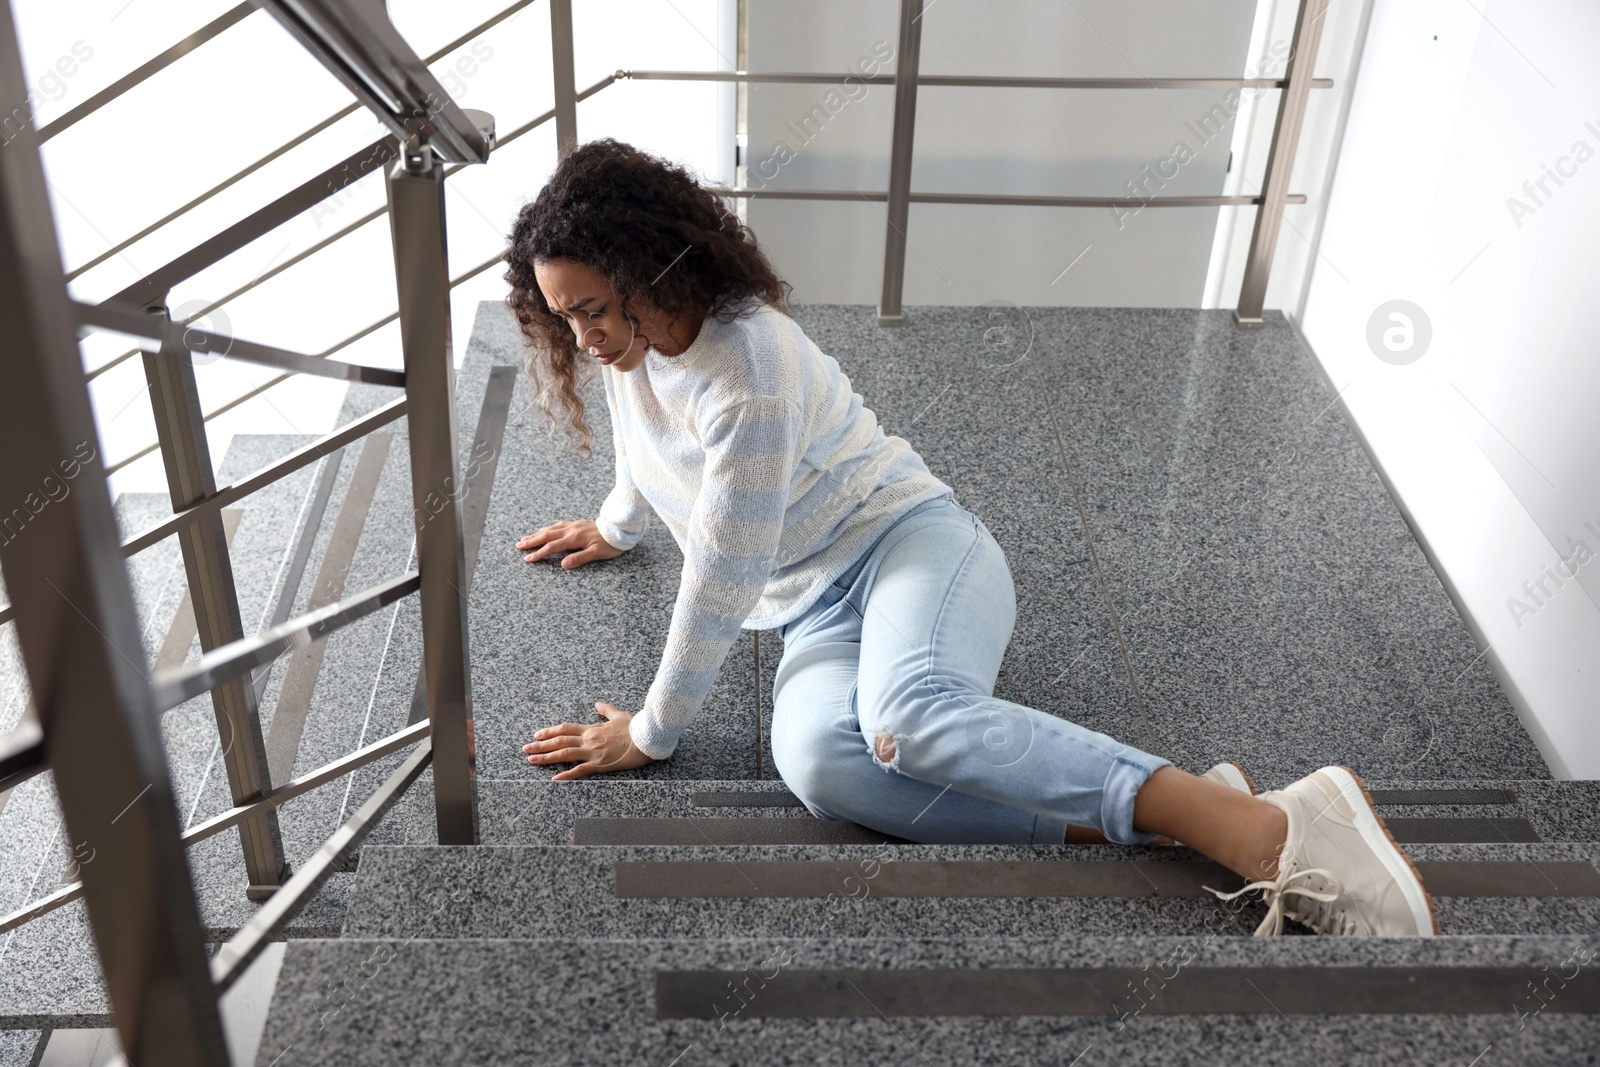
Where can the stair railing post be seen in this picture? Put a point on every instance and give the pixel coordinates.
(79, 635)
(906, 65)
(180, 430)
(563, 71)
(417, 225)
(1296, 93)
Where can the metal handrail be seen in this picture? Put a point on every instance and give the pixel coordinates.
(269, 921)
(328, 772)
(960, 80)
(360, 46)
(21, 754)
(265, 276)
(280, 379)
(272, 472)
(998, 199)
(164, 332)
(232, 17)
(152, 957)
(238, 658)
(292, 143)
(154, 286)
(376, 213)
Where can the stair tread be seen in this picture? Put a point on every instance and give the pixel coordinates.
(593, 1001)
(61, 984)
(542, 812)
(468, 891)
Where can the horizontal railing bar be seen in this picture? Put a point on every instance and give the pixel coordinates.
(269, 921)
(238, 658)
(1001, 199)
(280, 379)
(963, 80)
(218, 823)
(329, 772)
(21, 753)
(178, 212)
(293, 143)
(313, 249)
(65, 895)
(263, 220)
(260, 279)
(216, 26)
(326, 241)
(264, 477)
(162, 330)
(540, 120)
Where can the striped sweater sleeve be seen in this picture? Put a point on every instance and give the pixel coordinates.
(625, 512)
(751, 450)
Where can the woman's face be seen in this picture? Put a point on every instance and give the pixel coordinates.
(584, 297)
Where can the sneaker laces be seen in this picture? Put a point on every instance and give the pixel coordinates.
(1309, 909)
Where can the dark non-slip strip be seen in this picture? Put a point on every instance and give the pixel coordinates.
(769, 831)
(1110, 991)
(615, 831)
(1462, 831)
(754, 799)
(1443, 796)
(679, 879)
(744, 799)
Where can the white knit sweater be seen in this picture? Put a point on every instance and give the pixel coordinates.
(772, 476)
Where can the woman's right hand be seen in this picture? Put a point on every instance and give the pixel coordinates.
(579, 539)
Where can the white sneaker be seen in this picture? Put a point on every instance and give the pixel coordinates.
(1231, 775)
(1340, 871)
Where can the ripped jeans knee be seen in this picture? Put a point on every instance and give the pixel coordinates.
(886, 749)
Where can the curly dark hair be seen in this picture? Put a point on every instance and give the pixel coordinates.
(628, 215)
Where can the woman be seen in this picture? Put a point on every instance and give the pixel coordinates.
(794, 511)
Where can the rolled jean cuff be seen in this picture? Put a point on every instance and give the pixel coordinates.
(1129, 772)
(1048, 830)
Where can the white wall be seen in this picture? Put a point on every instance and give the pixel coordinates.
(239, 96)
(1489, 438)
(988, 140)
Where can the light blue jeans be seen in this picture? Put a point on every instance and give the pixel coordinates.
(906, 646)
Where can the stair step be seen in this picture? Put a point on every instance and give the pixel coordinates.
(17, 1047)
(757, 831)
(724, 831)
(952, 1000)
(916, 890)
(528, 812)
(51, 975)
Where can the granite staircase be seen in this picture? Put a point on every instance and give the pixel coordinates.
(1250, 592)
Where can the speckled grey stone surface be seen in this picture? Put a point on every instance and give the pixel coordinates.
(470, 892)
(548, 643)
(543, 813)
(1277, 609)
(1559, 811)
(49, 967)
(17, 1047)
(963, 389)
(566, 1002)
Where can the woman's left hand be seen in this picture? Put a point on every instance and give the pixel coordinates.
(596, 748)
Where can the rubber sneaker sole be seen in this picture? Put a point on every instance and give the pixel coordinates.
(1375, 832)
(1317, 794)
